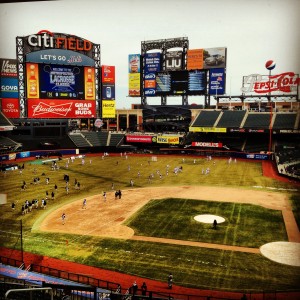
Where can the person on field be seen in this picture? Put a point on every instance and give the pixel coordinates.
(84, 204)
(170, 280)
(215, 224)
(63, 218)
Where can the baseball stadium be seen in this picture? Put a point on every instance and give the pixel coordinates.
(158, 202)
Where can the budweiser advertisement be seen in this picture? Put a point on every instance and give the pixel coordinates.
(61, 109)
(11, 107)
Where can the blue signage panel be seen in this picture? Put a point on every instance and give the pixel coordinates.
(152, 62)
(216, 81)
(9, 87)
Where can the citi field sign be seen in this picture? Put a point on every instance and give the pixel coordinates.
(47, 40)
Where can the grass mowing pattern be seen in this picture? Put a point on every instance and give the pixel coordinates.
(245, 225)
(191, 266)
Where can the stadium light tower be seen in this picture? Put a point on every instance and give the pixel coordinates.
(270, 65)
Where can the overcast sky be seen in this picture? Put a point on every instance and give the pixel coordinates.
(253, 31)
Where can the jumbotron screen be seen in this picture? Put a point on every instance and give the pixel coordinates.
(49, 81)
(181, 82)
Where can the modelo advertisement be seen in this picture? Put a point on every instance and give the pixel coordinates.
(65, 109)
(10, 107)
(207, 144)
(9, 87)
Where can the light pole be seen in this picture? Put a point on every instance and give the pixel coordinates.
(270, 65)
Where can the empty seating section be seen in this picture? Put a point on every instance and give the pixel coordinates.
(257, 120)
(285, 121)
(103, 137)
(79, 140)
(116, 139)
(206, 118)
(256, 144)
(7, 142)
(4, 121)
(96, 138)
(235, 143)
(231, 119)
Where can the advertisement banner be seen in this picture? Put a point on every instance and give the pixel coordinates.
(284, 83)
(10, 107)
(89, 83)
(194, 59)
(134, 63)
(174, 60)
(108, 109)
(167, 139)
(207, 144)
(149, 84)
(32, 79)
(134, 84)
(216, 81)
(206, 129)
(214, 58)
(9, 87)
(64, 109)
(152, 62)
(8, 67)
(61, 57)
(108, 91)
(139, 138)
(108, 74)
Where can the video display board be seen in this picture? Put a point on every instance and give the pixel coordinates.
(49, 81)
(181, 82)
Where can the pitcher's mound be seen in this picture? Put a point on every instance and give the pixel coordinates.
(209, 219)
(287, 253)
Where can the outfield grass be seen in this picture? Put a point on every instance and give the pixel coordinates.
(197, 267)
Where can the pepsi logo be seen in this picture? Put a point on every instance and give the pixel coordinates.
(270, 65)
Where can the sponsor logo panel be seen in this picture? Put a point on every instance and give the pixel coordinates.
(207, 144)
(139, 139)
(108, 109)
(44, 108)
(8, 67)
(11, 107)
(9, 87)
